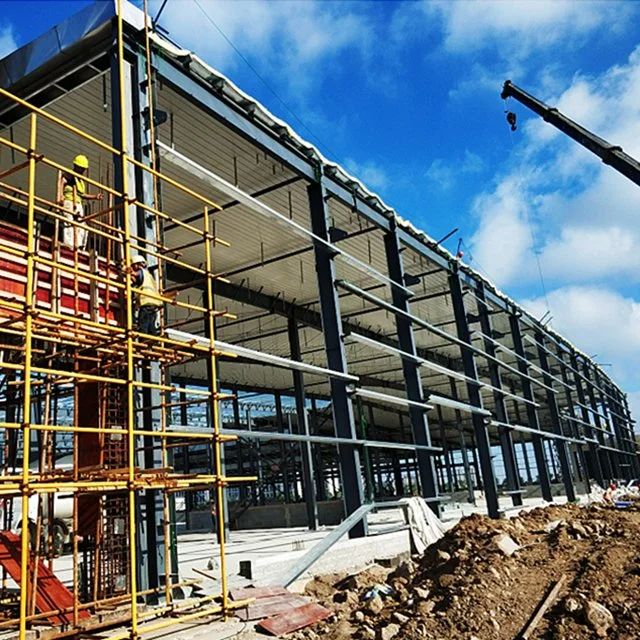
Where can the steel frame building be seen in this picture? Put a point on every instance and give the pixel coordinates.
(281, 275)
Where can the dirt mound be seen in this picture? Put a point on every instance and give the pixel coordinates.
(486, 578)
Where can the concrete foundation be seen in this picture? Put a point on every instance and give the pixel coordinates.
(347, 555)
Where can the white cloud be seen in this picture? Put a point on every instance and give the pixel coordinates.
(502, 245)
(592, 254)
(442, 173)
(515, 29)
(7, 40)
(279, 38)
(601, 322)
(371, 174)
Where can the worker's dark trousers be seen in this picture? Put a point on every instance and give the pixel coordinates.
(148, 320)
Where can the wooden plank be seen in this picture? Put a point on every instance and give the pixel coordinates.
(266, 607)
(297, 618)
(257, 592)
(51, 594)
(546, 603)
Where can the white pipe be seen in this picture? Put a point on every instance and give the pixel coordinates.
(384, 397)
(437, 367)
(260, 356)
(237, 194)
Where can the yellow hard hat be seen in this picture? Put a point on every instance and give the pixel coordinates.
(81, 161)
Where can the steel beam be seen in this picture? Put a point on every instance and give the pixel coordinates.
(341, 405)
(303, 428)
(561, 445)
(593, 457)
(603, 451)
(463, 448)
(411, 370)
(532, 413)
(581, 458)
(506, 441)
(148, 504)
(479, 426)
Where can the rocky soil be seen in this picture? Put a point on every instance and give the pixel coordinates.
(473, 585)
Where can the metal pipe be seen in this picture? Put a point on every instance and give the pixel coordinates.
(290, 437)
(260, 356)
(29, 300)
(436, 367)
(385, 397)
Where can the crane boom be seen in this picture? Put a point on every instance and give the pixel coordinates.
(610, 154)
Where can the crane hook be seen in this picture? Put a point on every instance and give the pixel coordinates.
(511, 119)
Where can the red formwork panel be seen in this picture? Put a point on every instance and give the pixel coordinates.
(75, 291)
(294, 619)
(51, 594)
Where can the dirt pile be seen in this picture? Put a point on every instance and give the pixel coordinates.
(485, 580)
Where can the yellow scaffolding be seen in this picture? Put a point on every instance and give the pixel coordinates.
(41, 338)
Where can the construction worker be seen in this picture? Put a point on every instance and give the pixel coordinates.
(72, 192)
(607, 497)
(148, 306)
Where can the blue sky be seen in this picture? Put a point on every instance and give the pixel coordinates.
(406, 95)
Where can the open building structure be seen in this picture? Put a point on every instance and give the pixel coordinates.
(316, 349)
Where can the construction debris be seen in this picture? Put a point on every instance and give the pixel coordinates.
(512, 578)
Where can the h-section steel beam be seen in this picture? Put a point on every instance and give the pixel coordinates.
(303, 429)
(411, 371)
(635, 458)
(573, 427)
(475, 399)
(506, 441)
(621, 466)
(150, 538)
(562, 446)
(532, 413)
(594, 458)
(605, 454)
(341, 404)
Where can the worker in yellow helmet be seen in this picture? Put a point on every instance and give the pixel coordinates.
(148, 305)
(72, 191)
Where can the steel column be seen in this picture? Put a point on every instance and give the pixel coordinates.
(574, 431)
(562, 446)
(397, 474)
(621, 465)
(341, 405)
(479, 425)
(532, 414)
(506, 441)
(605, 460)
(593, 457)
(240, 457)
(411, 369)
(303, 428)
(318, 464)
(445, 451)
(635, 459)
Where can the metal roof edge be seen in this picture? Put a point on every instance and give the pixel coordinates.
(16, 68)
